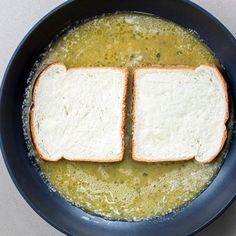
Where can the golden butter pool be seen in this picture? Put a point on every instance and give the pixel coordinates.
(129, 190)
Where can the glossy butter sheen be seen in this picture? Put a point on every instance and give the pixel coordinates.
(129, 190)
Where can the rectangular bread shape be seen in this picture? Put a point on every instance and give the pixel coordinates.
(179, 113)
(78, 114)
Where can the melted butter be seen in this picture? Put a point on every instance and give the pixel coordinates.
(129, 190)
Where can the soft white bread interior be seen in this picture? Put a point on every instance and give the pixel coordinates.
(179, 113)
(78, 114)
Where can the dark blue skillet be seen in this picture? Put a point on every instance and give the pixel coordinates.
(49, 205)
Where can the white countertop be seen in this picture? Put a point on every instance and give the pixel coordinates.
(16, 18)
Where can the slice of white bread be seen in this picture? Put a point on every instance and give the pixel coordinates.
(78, 114)
(179, 113)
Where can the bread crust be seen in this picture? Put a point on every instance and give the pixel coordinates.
(180, 67)
(81, 159)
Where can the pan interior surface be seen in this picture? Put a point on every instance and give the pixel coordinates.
(128, 190)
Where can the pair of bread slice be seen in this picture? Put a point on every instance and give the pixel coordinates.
(178, 113)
